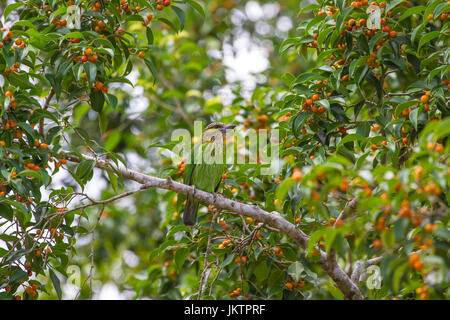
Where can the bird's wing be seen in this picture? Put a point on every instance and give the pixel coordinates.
(189, 170)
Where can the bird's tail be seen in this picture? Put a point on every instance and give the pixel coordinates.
(190, 212)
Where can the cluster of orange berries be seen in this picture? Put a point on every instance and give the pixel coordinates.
(430, 227)
(124, 6)
(425, 98)
(329, 13)
(405, 210)
(405, 112)
(31, 290)
(446, 83)
(53, 233)
(292, 284)
(96, 6)
(8, 35)
(223, 225)
(422, 292)
(147, 21)
(431, 189)
(32, 166)
(442, 17)
(40, 145)
(425, 244)
(74, 40)
(10, 124)
(99, 86)
(360, 4)
(436, 147)
(181, 166)
(46, 251)
(59, 23)
(15, 68)
(284, 117)
(415, 262)
(225, 243)
(235, 292)
(59, 163)
(161, 4)
(278, 252)
(242, 259)
(99, 26)
(308, 104)
(88, 56)
(2, 188)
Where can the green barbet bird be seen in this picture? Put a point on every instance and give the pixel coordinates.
(206, 175)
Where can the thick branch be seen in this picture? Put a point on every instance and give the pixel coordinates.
(274, 219)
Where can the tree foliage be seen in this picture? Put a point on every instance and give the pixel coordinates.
(358, 92)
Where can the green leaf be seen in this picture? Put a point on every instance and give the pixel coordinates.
(393, 4)
(411, 11)
(181, 16)
(13, 6)
(18, 275)
(261, 270)
(414, 117)
(427, 38)
(56, 283)
(180, 257)
(152, 68)
(6, 212)
(283, 189)
(20, 80)
(295, 270)
(169, 23)
(84, 169)
(91, 72)
(197, 7)
(97, 100)
(314, 238)
(149, 34)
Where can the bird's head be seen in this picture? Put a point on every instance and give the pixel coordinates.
(215, 128)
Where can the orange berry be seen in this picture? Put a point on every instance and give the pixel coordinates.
(288, 285)
(424, 98)
(297, 175)
(439, 148)
(377, 244)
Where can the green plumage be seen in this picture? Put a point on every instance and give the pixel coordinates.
(207, 175)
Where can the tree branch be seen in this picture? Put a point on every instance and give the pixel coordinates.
(45, 107)
(274, 219)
